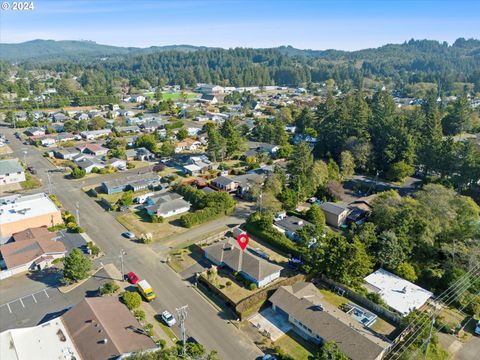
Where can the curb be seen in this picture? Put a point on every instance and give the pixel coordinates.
(68, 288)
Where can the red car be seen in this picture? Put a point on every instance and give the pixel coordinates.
(132, 278)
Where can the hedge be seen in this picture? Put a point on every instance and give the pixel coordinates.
(274, 238)
(200, 216)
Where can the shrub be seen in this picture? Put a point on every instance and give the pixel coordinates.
(228, 283)
(93, 248)
(376, 298)
(109, 288)
(156, 219)
(130, 165)
(139, 314)
(132, 299)
(252, 286)
(149, 329)
(161, 343)
(78, 173)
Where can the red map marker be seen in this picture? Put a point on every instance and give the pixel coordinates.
(242, 240)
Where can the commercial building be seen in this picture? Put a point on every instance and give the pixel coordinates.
(18, 213)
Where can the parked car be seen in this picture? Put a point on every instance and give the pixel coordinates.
(132, 278)
(129, 235)
(168, 318)
(123, 208)
(477, 329)
(312, 200)
(32, 170)
(295, 263)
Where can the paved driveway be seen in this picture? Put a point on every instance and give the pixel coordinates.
(269, 322)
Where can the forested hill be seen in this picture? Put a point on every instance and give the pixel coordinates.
(50, 50)
(413, 62)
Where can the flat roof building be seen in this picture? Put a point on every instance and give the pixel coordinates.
(18, 213)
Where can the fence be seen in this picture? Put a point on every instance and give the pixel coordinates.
(368, 304)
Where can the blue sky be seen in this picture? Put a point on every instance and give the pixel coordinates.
(307, 24)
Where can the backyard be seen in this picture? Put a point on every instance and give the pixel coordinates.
(138, 222)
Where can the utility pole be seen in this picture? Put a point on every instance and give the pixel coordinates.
(429, 337)
(122, 254)
(182, 315)
(49, 182)
(77, 212)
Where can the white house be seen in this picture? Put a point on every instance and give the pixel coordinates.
(11, 172)
(398, 293)
(167, 205)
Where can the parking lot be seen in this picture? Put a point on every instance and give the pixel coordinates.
(45, 304)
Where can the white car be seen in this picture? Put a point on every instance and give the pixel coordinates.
(168, 318)
(477, 329)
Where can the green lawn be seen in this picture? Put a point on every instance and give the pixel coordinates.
(294, 345)
(333, 298)
(171, 96)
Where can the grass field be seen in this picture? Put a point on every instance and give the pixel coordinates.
(171, 96)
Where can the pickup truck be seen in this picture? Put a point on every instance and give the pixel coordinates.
(146, 290)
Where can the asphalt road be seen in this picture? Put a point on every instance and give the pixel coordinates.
(204, 322)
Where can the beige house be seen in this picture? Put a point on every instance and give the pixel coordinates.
(18, 213)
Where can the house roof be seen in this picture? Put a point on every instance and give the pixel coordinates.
(92, 147)
(292, 223)
(208, 97)
(229, 253)
(24, 252)
(223, 180)
(167, 202)
(301, 301)
(333, 208)
(10, 166)
(38, 233)
(103, 328)
(398, 293)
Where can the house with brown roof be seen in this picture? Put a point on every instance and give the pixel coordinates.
(103, 328)
(98, 328)
(253, 268)
(93, 149)
(38, 233)
(29, 254)
(318, 321)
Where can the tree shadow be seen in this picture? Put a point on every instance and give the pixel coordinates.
(50, 276)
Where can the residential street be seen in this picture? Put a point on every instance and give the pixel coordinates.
(204, 323)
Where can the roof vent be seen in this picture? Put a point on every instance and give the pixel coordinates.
(300, 222)
(104, 341)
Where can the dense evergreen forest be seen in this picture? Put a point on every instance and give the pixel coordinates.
(402, 66)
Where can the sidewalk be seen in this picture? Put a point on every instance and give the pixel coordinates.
(150, 313)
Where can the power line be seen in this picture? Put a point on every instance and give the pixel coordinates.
(420, 320)
(447, 297)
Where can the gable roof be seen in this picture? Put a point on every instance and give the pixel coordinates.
(229, 253)
(103, 328)
(223, 180)
(301, 301)
(23, 252)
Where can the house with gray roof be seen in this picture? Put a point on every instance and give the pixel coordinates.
(318, 321)
(290, 225)
(251, 267)
(166, 205)
(225, 183)
(335, 213)
(11, 172)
